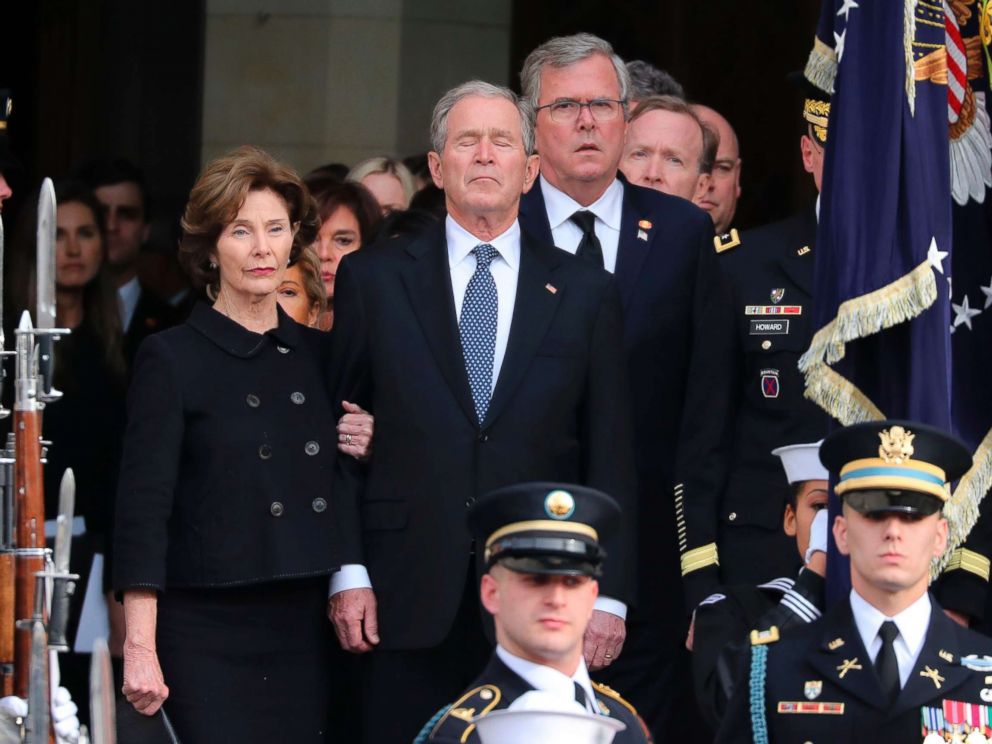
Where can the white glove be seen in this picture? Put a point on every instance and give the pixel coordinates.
(64, 718)
(12, 712)
(817, 534)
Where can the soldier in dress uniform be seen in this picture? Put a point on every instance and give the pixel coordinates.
(885, 665)
(725, 619)
(738, 539)
(543, 559)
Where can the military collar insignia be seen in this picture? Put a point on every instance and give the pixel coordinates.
(761, 637)
(803, 251)
(603, 709)
(726, 241)
(946, 656)
(847, 666)
(835, 644)
(933, 675)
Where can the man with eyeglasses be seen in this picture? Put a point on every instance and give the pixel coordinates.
(676, 323)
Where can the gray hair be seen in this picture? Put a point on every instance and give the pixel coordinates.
(439, 120)
(647, 80)
(563, 51)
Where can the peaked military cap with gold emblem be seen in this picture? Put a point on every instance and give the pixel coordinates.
(547, 528)
(816, 106)
(894, 466)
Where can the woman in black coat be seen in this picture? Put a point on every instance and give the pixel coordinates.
(225, 532)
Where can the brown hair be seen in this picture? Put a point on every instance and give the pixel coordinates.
(711, 140)
(220, 192)
(313, 284)
(354, 196)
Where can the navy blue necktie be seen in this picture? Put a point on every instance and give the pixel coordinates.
(477, 326)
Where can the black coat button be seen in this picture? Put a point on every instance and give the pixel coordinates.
(311, 448)
(483, 437)
(276, 509)
(252, 400)
(469, 501)
(298, 398)
(319, 505)
(265, 452)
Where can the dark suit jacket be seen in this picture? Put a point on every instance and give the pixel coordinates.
(677, 336)
(228, 457)
(558, 413)
(810, 659)
(498, 686)
(151, 315)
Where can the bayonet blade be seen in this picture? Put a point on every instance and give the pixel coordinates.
(103, 728)
(63, 530)
(45, 316)
(38, 714)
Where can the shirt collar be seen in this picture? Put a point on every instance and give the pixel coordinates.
(237, 340)
(542, 677)
(130, 290)
(912, 622)
(608, 208)
(461, 242)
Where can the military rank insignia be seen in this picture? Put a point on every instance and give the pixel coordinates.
(956, 721)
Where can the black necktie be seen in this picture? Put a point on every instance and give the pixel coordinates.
(885, 663)
(580, 696)
(589, 247)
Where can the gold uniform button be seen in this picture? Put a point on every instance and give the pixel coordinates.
(766, 344)
(732, 516)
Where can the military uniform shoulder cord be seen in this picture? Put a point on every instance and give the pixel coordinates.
(759, 722)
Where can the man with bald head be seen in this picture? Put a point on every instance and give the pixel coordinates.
(723, 188)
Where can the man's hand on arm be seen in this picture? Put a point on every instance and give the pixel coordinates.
(352, 609)
(604, 639)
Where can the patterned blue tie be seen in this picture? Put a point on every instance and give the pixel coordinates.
(477, 326)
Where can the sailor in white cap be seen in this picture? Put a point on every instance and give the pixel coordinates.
(724, 620)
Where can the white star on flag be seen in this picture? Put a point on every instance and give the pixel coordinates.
(839, 43)
(936, 257)
(963, 313)
(987, 291)
(846, 8)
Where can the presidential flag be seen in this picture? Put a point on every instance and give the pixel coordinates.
(884, 286)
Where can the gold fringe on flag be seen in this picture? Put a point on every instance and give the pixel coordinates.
(908, 35)
(821, 67)
(961, 509)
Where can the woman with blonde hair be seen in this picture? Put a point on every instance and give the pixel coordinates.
(390, 182)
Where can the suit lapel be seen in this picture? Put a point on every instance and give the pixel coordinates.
(938, 670)
(534, 215)
(532, 313)
(428, 282)
(841, 657)
(635, 241)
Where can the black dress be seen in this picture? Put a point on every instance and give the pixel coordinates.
(224, 508)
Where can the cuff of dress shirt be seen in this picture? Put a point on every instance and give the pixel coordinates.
(607, 604)
(349, 576)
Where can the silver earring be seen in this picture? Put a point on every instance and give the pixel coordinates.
(213, 265)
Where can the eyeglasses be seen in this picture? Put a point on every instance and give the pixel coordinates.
(567, 111)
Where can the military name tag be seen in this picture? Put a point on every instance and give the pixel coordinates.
(773, 309)
(801, 706)
(769, 328)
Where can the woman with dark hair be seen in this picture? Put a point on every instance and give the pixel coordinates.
(349, 216)
(225, 528)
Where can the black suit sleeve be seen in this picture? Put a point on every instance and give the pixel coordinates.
(350, 381)
(149, 470)
(705, 432)
(608, 443)
(736, 724)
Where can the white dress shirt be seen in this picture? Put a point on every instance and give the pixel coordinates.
(912, 622)
(608, 209)
(128, 295)
(505, 270)
(546, 679)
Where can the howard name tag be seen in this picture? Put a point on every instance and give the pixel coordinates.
(769, 327)
(832, 709)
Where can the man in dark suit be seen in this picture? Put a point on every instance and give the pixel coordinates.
(887, 659)
(676, 333)
(488, 358)
(543, 560)
(119, 186)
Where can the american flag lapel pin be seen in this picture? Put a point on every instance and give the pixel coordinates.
(551, 288)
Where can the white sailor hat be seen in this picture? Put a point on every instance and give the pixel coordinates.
(538, 717)
(802, 462)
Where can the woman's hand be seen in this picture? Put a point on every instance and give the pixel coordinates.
(355, 431)
(144, 686)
